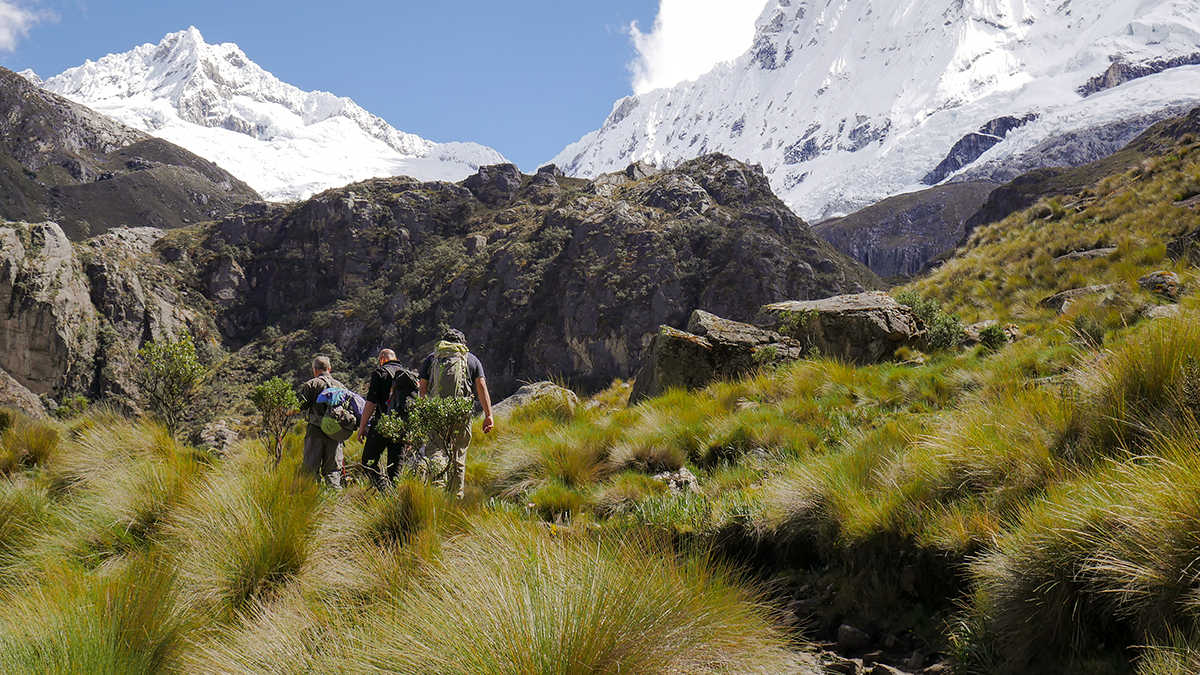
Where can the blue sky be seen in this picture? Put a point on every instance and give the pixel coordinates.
(525, 77)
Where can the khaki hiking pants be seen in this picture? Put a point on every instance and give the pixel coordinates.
(454, 458)
(323, 456)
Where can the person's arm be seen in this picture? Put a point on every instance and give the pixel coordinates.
(485, 399)
(423, 388)
(368, 410)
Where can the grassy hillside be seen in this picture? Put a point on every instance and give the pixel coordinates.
(1029, 509)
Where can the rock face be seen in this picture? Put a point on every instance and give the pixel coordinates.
(72, 316)
(532, 393)
(711, 349)
(900, 236)
(48, 325)
(575, 277)
(863, 328)
(61, 161)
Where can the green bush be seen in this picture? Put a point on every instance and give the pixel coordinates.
(170, 371)
(276, 402)
(437, 420)
(942, 330)
(993, 338)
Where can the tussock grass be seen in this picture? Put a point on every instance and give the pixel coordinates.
(245, 533)
(26, 443)
(510, 598)
(125, 621)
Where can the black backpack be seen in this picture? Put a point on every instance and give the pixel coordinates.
(404, 387)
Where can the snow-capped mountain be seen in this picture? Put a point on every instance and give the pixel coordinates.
(846, 102)
(284, 142)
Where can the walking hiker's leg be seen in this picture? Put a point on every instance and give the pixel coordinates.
(395, 453)
(332, 465)
(313, 451)
(372, 450)
(434, 467)
(457, 469)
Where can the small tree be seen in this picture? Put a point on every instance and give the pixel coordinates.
(168, 377)
(276, 401)
(437, 420)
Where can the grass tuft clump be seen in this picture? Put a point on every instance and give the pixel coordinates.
(509, 597)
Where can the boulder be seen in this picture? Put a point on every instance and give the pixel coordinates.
(1061, 301)
(14, 395)
(862, 328)
(531, 393)
(1163, 283)
(1162, 312)
(495, 185)
(711, 349)
(1088, 255)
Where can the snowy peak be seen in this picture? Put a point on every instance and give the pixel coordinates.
(191, 92)
(846, 102)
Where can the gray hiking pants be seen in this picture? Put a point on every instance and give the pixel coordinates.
(455, 458)
(323, 456)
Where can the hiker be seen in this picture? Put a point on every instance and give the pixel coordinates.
(452, 370)
(391, 387)
(322, 454)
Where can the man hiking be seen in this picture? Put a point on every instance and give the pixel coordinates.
(453, 371)
(391, 387)
(322, 454)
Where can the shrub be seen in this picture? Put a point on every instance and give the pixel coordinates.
(72, 406)
(169, 373)
(993, 338)
(276, 402)
(942, 330)
(437, 420)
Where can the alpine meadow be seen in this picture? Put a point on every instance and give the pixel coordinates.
(872, 351)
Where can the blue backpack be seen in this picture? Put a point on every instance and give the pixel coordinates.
(341, 411)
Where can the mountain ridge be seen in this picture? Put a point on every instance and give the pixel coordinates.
(286, 142)
(845, 104)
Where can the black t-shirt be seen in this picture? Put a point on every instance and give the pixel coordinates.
(474, 368)
(382, 381)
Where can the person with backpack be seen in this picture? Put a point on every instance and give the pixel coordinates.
(322, 452)
(453, 371)
(391, 387)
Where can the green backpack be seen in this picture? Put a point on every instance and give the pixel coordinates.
(450, 376)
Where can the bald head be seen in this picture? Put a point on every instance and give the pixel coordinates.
(386, 355)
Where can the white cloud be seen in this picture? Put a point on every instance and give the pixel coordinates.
(689, 38)
(15, 22)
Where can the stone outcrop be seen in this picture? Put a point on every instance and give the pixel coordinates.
(862, 328)
(72, 316)
(1163, 283)
(1061, 301)
(48, 325)
(534, 393)
(711, 349)
(1090, 254)
(575, 277)
(14, 395)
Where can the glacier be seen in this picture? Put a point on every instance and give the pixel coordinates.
(847, 102)
(286, 143)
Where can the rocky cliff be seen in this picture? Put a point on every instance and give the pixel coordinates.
(63, 162)
(547, 275)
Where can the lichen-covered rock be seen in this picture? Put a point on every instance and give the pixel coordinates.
(1162, 283)
(862, 328)
(1061, 301)
(534, 393)
(711, 349)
